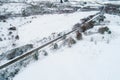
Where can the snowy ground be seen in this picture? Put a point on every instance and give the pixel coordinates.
(81, 62)
(36, 27)
(86, 60)
(44, 25)
(24, 25)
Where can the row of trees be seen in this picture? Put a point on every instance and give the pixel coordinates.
(61, 1)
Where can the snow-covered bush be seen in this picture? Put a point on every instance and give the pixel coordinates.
(70, 41)
(109, 32)
(1, 39)
(76, 26)
(24, 13)
(17, 51)
(3, 17)
(44, 52)
(91, 39)
(36, 55)
(78, 35)
(50, 4)
(10, 71)
(101, 18)
(102, 30)
(54, 46)
(87, 26)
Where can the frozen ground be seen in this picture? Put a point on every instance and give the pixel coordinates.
(36, 27)
(84, 61)
(44, 25)
(87, 60)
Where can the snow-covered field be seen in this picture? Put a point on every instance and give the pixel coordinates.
(95, 57)
(35, 28)
(84, 61)
(98, 59)
(44, 26)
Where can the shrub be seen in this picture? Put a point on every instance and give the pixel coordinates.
(12, 28)
(109, 32)
(102, 30)
(1, 39)
(87, 26)
(36, 55)
(71, 41)
(25, 13)
(45, 53)
(77, 26)
(3, 17)
(55, 46)
(78, 35)
(17, 37)
(10, 33)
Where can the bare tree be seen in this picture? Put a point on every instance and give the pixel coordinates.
(61, 1)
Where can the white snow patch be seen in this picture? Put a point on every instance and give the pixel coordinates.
(83, 61)
(44, 25)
